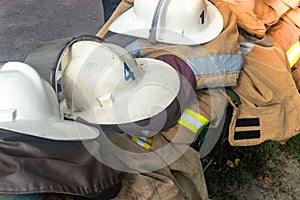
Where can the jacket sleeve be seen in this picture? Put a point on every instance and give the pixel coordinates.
(200, 106)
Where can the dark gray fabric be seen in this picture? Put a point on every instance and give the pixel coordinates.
(34, 165)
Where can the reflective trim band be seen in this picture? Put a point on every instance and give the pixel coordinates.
(147, 140)
(141, 143)
(246, 47)
(188, 125)
(135, 48)
(293, 54)
(197, 116)
(216, 64)
(193, 121)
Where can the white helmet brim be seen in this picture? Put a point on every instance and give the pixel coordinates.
(155, 90)
(40, 117)
(128, 25)
(54, 129)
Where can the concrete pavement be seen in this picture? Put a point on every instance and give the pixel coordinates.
(24, 24)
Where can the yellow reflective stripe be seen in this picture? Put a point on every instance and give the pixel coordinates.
(188, 125)
(141, 143)
(293, 54)
(197, 116)
(146, 139)
(193, 121)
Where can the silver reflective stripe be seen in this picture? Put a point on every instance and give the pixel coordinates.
(246, 47)
(216, 64)
(135, 48)
(192, 120)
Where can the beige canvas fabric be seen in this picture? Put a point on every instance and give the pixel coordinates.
(294, 16)
(270, 102)
(247, 5)
(292, 3)
(285, 36)
(270, 11)
(286, 33)
(278, 7)
(246, 18)
(289, 21)
(256, 17)
(181, 179)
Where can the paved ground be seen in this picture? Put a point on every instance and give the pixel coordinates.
(26, 23)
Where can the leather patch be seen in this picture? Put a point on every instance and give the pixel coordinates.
(247, 122)
(242, 135)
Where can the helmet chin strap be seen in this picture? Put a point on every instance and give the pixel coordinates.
(152, 31)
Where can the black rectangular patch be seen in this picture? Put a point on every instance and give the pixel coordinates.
(242, 135)
(247, 122)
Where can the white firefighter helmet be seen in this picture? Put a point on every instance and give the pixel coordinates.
(189, 22)
(29, 105)
(103, 84)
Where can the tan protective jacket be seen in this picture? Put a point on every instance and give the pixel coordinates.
(270, 102)
(272, 19)
(285, 36)
(268, 11)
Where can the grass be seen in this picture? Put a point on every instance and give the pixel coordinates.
(223, 176)
(292, 147)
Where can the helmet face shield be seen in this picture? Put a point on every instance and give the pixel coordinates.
(108, 86)
(29, 105)
(176, 21)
